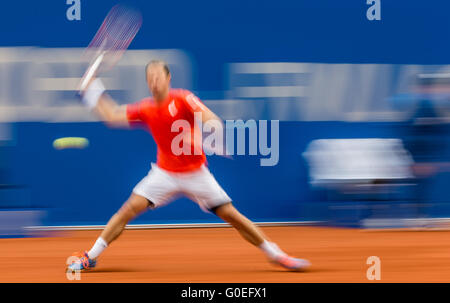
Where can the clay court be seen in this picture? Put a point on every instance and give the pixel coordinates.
(220, 255)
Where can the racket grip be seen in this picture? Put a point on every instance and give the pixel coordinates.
(79, 96)
(92, 94)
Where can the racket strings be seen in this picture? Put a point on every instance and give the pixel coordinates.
(116, 33)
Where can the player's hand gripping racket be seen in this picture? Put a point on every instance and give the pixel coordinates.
(110, 42)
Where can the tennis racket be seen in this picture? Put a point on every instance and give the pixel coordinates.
(110, 42)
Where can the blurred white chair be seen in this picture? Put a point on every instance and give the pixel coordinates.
(342, 161)
(359, 172)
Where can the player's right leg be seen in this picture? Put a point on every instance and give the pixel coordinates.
(155, 190)
(134, 206)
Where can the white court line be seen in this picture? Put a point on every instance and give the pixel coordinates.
(164, 226)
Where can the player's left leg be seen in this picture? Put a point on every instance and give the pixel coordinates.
(243, 225)
(255, 236)
(202, 187)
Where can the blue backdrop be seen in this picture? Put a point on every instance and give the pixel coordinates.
(216, 32)
(85, 187)
(88, 186)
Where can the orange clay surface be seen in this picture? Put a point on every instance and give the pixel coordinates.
(221, 255)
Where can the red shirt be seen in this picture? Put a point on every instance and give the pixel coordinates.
(163, 120)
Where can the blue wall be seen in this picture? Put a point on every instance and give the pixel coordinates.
(218, 32)
(87, 186)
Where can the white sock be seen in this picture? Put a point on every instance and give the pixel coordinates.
(98, 248)
(271, 249)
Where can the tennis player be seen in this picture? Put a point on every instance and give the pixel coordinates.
(185, 173)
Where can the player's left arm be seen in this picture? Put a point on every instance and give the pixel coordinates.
(196, 106)
(209, 115)
(213, 121)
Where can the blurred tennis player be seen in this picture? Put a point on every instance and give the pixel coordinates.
(172, 174)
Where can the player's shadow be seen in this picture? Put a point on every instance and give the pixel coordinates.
(299, 272)
(116, 269)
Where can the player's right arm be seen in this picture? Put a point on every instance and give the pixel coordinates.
(96, 98)
(111, 113)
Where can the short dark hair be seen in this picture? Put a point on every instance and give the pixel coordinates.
(161, 62)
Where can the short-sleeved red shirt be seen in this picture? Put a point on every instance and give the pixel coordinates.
(163, 120)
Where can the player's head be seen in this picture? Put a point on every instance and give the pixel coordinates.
(158, 78)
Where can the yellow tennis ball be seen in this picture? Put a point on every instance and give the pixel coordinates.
(70, 142)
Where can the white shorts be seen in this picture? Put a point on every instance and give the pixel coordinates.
(161, 187)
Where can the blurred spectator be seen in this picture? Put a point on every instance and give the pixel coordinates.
(4, 142)
(425, 135)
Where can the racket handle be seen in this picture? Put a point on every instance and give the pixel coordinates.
(92, 94)
(91, 72)
(79, 95)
